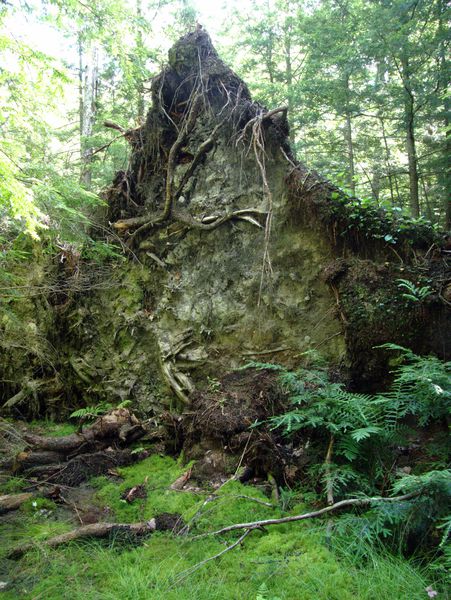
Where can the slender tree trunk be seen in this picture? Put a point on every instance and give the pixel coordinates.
(270, 47)
(387, 161)
(348, 139)
(447, 165)
(409, 121)
(447, 169)
(88, 91)
(289, 78)
(81, 97)
(379, 82)
(139, 53)
(429, 212)
(376, 183)
(444, 82)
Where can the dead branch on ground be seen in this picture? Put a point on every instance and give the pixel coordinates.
(183, 574)
(163, 522)
(358, 502)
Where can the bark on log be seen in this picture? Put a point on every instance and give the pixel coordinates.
(29, 459)
(119, 424)
(83, 467)
(13, 501)
(164, 522)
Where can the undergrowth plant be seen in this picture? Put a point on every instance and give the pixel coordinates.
(90, 413)
(361, 436)
(413, 293)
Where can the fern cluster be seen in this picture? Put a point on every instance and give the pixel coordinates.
(421, 387)
(363, 435)
(89, 413)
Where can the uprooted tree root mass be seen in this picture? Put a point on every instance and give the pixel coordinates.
(196, 89)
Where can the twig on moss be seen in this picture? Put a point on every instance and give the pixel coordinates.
(358, 502)
(183, 574)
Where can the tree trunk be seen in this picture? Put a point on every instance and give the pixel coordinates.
(348, 139)
(388, 161)
(139, 54)
(409, 122)
(289, 78)
(88, 91)
(376, 183)
(444, 79)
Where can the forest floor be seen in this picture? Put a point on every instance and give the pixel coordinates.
(297, 561)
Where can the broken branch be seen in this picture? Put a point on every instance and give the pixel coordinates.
(183, 574)
(311, 515)
(98, 530)
(115, 126)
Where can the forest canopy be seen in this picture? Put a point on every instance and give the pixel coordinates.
(365, 85)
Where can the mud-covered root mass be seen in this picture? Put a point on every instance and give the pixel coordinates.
(227, 433)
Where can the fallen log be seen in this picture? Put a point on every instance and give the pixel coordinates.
(13, 501)
(163, 522)
(69, 460)
(84, 466)
(30, 458)
(119, 425)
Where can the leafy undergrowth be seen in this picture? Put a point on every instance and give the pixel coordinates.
(283, 562)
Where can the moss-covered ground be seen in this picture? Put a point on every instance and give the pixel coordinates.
(290, 562)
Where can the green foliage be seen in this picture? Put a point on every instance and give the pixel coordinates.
(388, 223)
(364, 432)
(264, 594)
(162, 471)
(284, 562)
(51, 429)
(99, 251)
(91, 412)
(414, 293)
(38, 506)
(11, 485)
(421, 387)
(17, 203)
(355, 76)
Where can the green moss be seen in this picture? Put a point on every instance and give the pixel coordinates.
(161, 473)
(37, 504)
(52, 429)
(29, 528)
(288, 562)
